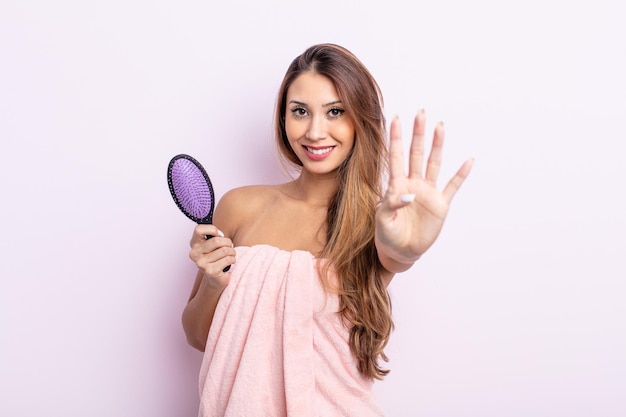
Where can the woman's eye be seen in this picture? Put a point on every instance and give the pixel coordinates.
(336, 112)
(299, 112)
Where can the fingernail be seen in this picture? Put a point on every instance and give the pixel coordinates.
(407, 198)
(220, 233)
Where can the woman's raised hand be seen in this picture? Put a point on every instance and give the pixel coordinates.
(413, 210)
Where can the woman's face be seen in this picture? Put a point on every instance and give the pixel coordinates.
(318, 130)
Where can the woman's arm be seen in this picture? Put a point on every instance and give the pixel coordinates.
(199, 311)
(211, 256)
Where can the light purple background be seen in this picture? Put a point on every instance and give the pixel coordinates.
(518, 309)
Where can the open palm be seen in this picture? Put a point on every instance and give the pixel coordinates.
(413, 210)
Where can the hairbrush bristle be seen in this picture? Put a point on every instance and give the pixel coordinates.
(191, 188)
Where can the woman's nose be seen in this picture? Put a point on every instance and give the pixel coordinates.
(317, 128)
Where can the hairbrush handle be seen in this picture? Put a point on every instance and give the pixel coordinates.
(207, 237)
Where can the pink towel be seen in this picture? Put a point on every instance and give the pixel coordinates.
(277, 346)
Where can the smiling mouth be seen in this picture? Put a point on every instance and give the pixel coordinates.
(319, 151)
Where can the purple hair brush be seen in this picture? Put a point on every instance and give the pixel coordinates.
(191, 190)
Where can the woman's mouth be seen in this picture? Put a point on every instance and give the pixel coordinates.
(319, 151)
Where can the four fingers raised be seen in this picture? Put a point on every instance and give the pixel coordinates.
(416, 156)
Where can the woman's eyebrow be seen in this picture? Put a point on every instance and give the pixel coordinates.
(332, 103)
(300, 103)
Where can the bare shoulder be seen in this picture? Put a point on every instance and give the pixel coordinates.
(239, 204)
(249, 198)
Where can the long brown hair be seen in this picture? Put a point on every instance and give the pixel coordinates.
(364, 301)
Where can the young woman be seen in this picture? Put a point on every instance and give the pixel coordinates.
(298, 325)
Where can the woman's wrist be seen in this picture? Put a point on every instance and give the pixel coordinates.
(392, 260)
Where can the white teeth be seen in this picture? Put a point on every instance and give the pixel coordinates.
(319, 151)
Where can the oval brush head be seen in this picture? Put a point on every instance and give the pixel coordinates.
(191, 188)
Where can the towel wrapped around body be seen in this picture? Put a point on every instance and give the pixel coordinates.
(277, 346)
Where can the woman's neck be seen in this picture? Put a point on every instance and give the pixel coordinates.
(313, 189)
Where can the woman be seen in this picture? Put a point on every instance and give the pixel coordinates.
(298, 325)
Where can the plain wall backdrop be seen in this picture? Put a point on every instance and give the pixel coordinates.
(517, 310)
